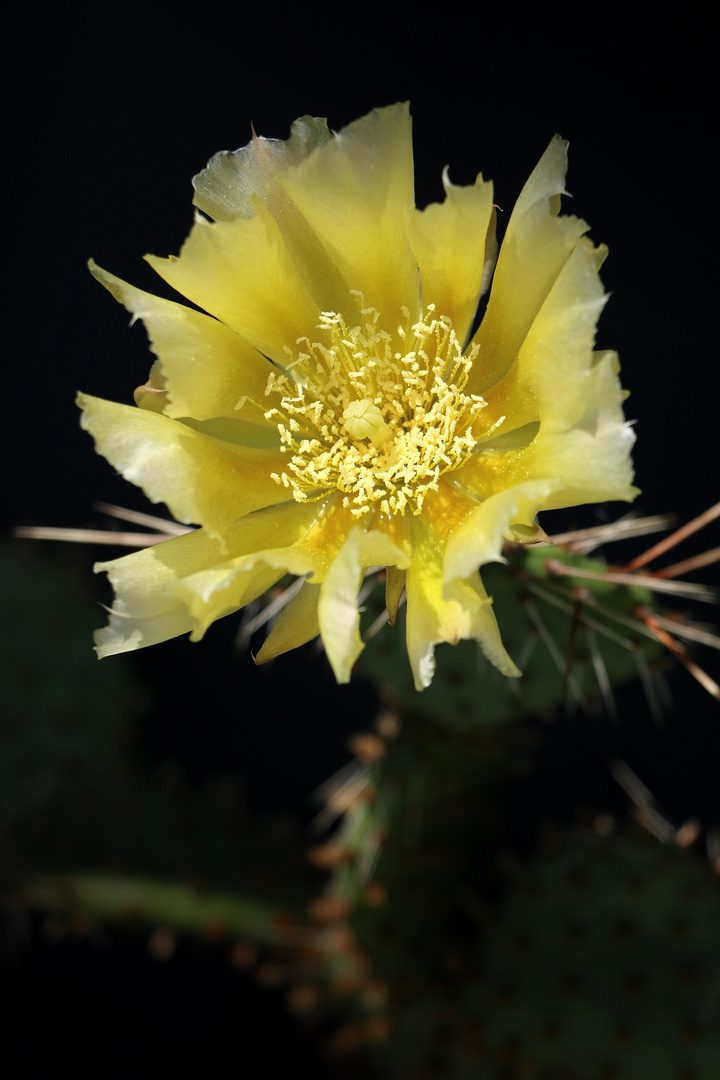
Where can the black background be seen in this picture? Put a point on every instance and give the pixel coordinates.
(112, 109)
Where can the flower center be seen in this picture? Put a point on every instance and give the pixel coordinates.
(374, 415)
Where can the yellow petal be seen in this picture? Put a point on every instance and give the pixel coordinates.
(233, 182)
(313, 535)
(394, 586)
(338, 613)
(479, 538)
(557, 354)
(450, 613)
(225, 189)
(604, 396)
(296, 624)
(535, 248)
(241, 272)
(207, 368)
(356, 193)
(144, 612)
(202, 480)
(213, 593)
(326, 536)
(585, 467)
(589, 462)
(151, 604)
(453, 243)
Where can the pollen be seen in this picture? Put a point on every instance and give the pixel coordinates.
(376, 414)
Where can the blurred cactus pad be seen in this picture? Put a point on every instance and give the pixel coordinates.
(424, 929)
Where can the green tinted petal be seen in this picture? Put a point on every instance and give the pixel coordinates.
(202, 480)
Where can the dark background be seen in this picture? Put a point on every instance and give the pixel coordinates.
(112, 109)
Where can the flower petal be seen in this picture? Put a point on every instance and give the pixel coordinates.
(153, 600)
(224, 190)
(478, 539)
(232, 184)
(394, 588)
(535, 248)
(338, 613)
(451, 613)
(296, 624)
(143, 612)
(590, 463)
(311, 550)
(207, 368)
(557, 355)
(586, 466)
(241, 272)
(202, 480)
(454, 245)
(212, 593)
(356, 193)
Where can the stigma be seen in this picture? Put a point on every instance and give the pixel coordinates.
(363, 420)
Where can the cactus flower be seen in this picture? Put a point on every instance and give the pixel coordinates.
(328, 404)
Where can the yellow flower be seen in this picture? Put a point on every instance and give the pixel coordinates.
(332, 412)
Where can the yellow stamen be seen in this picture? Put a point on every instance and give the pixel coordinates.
(377, 416)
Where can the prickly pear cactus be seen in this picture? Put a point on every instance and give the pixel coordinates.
(429, 951)
(598, 958)
(602, 960)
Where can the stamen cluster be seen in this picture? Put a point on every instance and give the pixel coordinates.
(377, 416)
